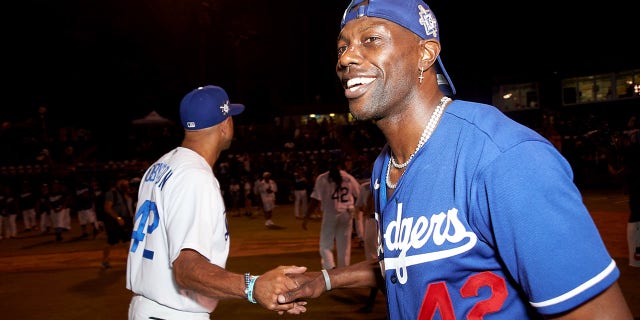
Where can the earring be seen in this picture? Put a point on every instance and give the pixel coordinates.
(421, 72)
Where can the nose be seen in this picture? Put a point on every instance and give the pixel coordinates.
(349, 57)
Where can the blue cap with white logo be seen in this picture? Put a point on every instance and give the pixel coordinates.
(414, 15)
(205, 107)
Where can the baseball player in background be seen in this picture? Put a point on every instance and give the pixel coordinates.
(479, 215)
(336, 191)
(266, 189)
(27, 202)
(180, 241)
(85, 208)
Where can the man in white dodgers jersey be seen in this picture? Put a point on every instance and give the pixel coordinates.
(479, 215)
(180, 241)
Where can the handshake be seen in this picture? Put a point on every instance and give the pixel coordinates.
(286, 288)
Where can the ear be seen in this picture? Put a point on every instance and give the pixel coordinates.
(226, 125)
(429, 49)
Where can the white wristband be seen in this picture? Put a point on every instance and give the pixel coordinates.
(327, 281)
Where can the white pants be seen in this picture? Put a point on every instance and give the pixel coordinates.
(299, 202)
(29, 218)
(338, 228)
(141, 308)
(87, 216)
(45, 221)
(633, 240)
(62, 218)
(10, 226)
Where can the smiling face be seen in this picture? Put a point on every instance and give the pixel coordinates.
(378, 66)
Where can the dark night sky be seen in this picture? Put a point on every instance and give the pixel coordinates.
(121, 59)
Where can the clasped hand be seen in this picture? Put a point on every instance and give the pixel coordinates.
(284, 289)
(271, 286)
(309, 285)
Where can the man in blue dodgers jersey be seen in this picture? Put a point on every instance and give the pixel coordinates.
(180, 240)
(479, 215)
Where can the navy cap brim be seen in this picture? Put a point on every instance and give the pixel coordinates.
(444, 82)
(235, 109)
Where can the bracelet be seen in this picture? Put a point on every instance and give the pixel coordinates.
(252, 283)
(327, 281)
(247, 280)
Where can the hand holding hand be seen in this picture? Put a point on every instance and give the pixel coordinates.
(274, 283)
(310, 285)
(363, 274)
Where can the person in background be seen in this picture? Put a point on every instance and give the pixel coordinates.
(11, 209)
(60, 211)
(8, 212)
(28, 206)
(479, 215)
(180, 243)
(43, 208)
(85, 208)
(235, 197)
(266, 188)
(336, 191)
(300, 196)
(98, 195)
(118, 218)
(249, 195)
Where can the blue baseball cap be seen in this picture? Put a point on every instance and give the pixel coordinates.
(414, 15)
(205, 107)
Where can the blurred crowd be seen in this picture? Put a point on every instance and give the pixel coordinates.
(68, 159)
(38, 153)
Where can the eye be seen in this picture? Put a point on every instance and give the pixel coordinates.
(371, 39)
(342, 49)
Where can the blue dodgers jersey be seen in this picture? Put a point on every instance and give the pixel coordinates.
(486, 223)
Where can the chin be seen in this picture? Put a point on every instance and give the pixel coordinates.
(362, 115)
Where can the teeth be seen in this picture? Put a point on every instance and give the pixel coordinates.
(358, 81)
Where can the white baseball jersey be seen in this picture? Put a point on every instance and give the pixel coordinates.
(337, 206)
(180, 206)
(268, 197)
(336, 200)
